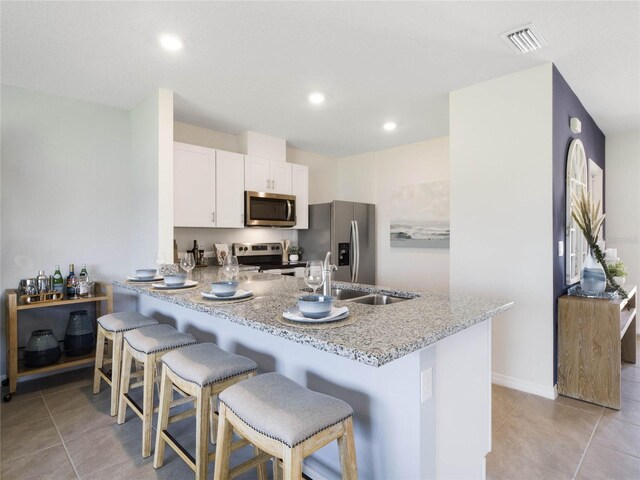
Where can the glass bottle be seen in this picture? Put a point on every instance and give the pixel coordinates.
(83, 282)
(71, 283)
(58, 281)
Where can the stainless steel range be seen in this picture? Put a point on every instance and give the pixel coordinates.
(267, 256)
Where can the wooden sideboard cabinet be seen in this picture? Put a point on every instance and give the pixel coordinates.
(594, 337)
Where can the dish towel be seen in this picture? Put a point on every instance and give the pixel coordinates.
(220, 252)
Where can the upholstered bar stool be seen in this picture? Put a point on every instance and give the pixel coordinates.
(285, 420)
(201, 371)
(112, 328)
(147, 346)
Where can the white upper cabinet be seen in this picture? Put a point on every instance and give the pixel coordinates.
(263, 175)
(229, 190)
(280, 177)
(300, 186)
(208, 187)
(194, 186)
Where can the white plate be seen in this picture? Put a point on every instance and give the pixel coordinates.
(236, 296)
(162, 286)
(294, 315)
(144, 279)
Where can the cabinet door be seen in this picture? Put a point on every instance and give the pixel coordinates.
(194, 186)
(280, 177)
(300, 187)
(229, 190)
(256, 174)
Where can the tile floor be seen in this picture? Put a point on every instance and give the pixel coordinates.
(55, 428)
(536, 438)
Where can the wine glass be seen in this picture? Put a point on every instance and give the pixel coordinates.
(230, 266)
(313, 276)
(187, 263)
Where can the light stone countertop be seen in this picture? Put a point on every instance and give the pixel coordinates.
(378, 334)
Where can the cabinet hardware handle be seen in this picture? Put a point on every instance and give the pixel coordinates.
(213, 216)
(267, 183)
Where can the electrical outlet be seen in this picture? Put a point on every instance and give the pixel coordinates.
(426, 384)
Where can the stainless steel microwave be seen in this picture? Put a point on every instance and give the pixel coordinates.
(269, 210)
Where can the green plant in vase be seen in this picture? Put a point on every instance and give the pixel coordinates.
(587, 216)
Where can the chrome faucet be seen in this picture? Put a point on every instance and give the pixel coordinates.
(327, 270)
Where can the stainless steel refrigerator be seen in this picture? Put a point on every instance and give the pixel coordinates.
(348, 230)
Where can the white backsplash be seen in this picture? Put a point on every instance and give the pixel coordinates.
(206, 237)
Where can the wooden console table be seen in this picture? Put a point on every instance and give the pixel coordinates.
(103, 293)
(594, 337)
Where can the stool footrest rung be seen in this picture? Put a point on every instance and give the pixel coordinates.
(249, 464)
(179, 449)
(182, 415)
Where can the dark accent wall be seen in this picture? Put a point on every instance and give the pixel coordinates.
(566, 105)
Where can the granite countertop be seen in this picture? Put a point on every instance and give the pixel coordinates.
(377, 335)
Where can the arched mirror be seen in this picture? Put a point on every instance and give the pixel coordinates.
(577, 183)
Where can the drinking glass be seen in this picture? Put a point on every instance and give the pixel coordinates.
(230, 266)
(187, 263)
(313, 276)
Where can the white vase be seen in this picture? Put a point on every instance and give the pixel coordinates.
(592, 276)
(294, 257)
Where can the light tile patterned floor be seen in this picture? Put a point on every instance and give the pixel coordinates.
(536, 438)
(55, 428)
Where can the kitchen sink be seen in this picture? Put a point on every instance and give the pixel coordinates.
(377, 299)
(345, 294)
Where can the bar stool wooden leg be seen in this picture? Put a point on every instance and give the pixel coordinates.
(166, 387)
(116, 365)
(213, 423)
(203, 405)
(125, 378)
(277, 469)
(347, 449)
(99, 361)
(223, 445)
(292, 463)
(147, 405)
(262, 468)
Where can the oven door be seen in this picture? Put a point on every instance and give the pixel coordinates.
(269, 210)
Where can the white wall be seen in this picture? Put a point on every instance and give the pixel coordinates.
(65, 194)
(623, 200)
(323, 172)
(370, 177)
(501, 222)
(151, 209)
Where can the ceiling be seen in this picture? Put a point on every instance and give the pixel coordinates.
(251, 65)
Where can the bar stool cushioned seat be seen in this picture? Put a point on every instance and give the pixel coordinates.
(124, 321)
(202, 371)
(157, 338)
(205, 364)
(283, 410)
(111, 329)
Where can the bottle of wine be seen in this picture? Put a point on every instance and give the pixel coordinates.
(71, 283)
(58, 281)
(83, 282)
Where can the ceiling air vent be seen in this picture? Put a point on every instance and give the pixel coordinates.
(524, 39)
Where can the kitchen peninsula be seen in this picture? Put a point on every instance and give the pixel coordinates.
(417, 373)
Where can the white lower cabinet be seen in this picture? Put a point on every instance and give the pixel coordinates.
(208, 187)
(300, 187)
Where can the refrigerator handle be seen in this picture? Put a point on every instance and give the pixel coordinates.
(351, 250)
(357, 252)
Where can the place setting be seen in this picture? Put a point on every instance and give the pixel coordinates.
(315, 310)
(145, 275)
(179, 281)
(227, 291)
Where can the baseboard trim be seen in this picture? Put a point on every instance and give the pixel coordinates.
(525, 386)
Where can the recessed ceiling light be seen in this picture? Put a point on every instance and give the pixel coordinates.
(389, 126)
(316, 98)
(171, 43)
